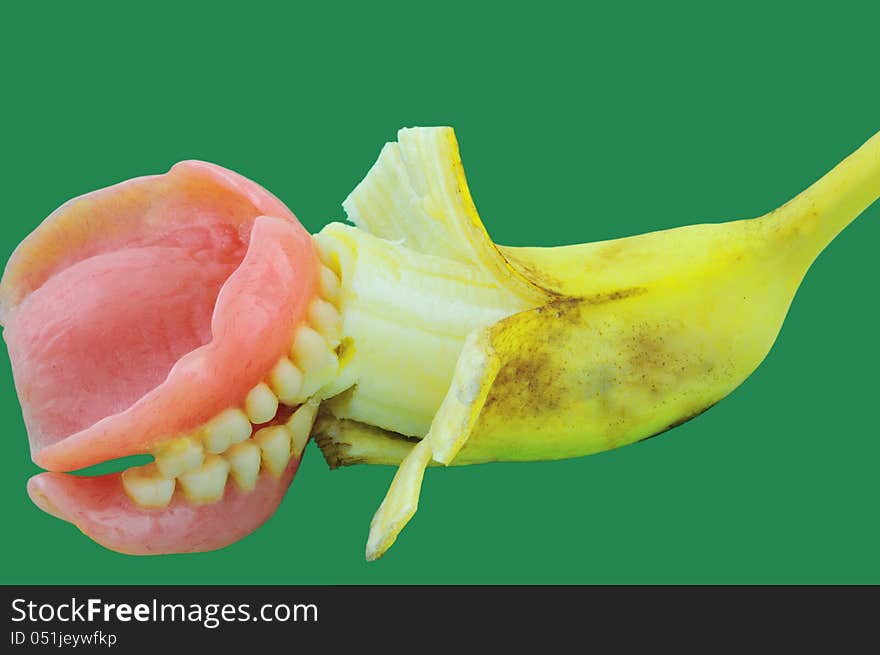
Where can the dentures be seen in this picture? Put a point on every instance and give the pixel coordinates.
(190, 316)
(187, 316)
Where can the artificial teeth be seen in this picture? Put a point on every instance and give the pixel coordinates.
(206, 483)
(199, 468)
(147, 487)
(326, 319)
(274, 443)
(286, 381)
(228, 427)
(244, 461)
(329, 285)
(315, 358)
(310, 350)
(319, 378)
(261, 404)
(300, 427)
(326, 256)
(178, 455)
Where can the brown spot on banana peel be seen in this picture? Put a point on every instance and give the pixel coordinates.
(583, 375)
(620, 294)
(537, 275)
(528, 381)
(544, 279)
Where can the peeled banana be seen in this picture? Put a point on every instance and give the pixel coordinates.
(459, 351)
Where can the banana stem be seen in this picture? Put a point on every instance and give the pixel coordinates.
(821, 212)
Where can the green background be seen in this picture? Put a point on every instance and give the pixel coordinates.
(576, 124)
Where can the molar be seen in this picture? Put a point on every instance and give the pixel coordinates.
(206, 483)
(244, 460)
(326, 320)
(328, 259)
(328, 285)
(274, 443)
(286, 381)
(319, 378)
(315, 358)
(176, 456)
(228, 427)
(300, 427)
(310, 349)
(261, 404)
(146, 486)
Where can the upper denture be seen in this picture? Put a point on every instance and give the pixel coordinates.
(174, 297)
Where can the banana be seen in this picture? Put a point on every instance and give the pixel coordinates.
(459, 351)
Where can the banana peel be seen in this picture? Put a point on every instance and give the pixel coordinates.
(416, 194)
(587, 347)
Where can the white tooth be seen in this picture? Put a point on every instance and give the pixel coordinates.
(274, 443)
(228, 427)
(300, 426)
(310, 350)
(244, 460)
(316, 378)
(326, 256)
(261, 404)
(206, 483)
(286, 380)
(328, 285)
(326, 320)
(147, 487)
(315, 359)
(178, 455)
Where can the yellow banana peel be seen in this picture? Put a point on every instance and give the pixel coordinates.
(459, 351)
